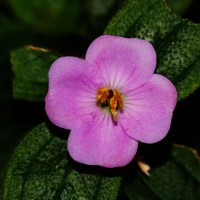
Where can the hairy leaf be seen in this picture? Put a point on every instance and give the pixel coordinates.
(177, 179)
(39, 169)
(31, 66)
(177, 41)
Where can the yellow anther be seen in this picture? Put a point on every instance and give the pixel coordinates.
(118, 97)
(103, 94)
(113, 108)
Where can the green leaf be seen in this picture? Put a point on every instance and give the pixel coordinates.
(177, 179)
(39, 169)
(177, 41)
(31, 66)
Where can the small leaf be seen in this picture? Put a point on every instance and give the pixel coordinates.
(177, 41)
(39, 169)
(31, 66)
(179, 178)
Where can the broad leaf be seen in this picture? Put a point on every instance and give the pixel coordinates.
(31, 66)
(39, 169)
(177, 41)
(177, 179)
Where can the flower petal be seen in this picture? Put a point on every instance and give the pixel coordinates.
(72, 92)
(101, 143)
(148, 110)
(124, 63)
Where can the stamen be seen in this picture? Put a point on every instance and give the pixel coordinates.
(113, 107)
(111, 99)
(118, 97)
(103, 94)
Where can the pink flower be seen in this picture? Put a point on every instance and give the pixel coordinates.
(111, 100)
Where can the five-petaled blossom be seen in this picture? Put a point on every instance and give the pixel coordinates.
(111, 100)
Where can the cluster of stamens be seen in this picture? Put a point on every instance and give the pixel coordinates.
(111, 99)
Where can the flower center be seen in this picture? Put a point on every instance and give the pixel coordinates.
(111, 99)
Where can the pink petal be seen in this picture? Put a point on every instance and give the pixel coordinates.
(148, 110)
(101, 143)
(124, 63)
(73, 85)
